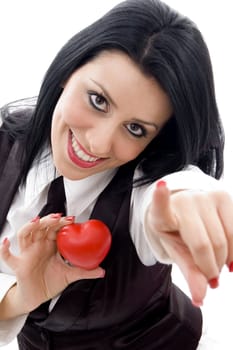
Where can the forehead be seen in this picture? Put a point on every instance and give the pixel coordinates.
(126, 84)
(116, 62)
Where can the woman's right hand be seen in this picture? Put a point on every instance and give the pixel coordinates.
(40, 271)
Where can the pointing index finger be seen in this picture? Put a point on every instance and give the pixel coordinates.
(164, 219)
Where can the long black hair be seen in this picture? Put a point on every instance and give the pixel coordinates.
(165, 45)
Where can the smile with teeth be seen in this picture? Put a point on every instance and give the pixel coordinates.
(80, 153)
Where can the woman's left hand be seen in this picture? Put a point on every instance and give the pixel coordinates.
(195, 228)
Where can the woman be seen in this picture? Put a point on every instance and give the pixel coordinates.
(126, 102)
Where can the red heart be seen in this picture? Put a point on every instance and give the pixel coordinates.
(84, 244)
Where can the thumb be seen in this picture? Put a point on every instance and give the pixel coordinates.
(77, 273)
(164, 220)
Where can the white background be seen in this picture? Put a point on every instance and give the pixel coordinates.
(31, 33)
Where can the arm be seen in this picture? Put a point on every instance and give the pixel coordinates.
(150, 251)
(10, 306)
(40, 273)
(8, 328)
(188, 185)
(0, 117)
(194, 230)
(192, 179)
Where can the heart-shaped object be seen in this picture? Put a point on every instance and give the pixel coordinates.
(84, 244)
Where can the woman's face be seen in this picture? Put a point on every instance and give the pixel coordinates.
(108, 112)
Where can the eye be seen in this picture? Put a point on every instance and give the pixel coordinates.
(136, 129)
(98, 101)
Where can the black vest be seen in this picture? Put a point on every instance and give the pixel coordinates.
(133, 307)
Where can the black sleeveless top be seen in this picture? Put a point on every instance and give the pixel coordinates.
(134, 307)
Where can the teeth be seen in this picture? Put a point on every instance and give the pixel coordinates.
(79, 153)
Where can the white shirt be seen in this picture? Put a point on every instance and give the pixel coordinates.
(81, 196)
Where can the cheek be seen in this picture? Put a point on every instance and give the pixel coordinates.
(69, 110)
(129, 150)
(75, 117)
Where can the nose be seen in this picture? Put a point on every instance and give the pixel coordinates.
(101, 139)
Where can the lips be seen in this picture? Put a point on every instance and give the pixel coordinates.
(79, 156)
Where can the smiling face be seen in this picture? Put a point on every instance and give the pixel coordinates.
(107, 114)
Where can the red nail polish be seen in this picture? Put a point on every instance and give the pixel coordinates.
(214, 283)
(230, 266)
(5, 241)
(37, 218)
(70, 218)
(161, 183)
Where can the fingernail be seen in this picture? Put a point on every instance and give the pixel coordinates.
(36, 219)
(230, 266)
(197, 303)
(161, 183)
(70, 218)
(56, 216)
(214, 283)
(5, 241)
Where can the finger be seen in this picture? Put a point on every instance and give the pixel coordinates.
(51, 231)
(161, 215)
(207, 225)
(188, 207)
(196, 281)
(51, 221)
(76, 273)
(41, 228)
(37, 235)
(51, 234)
(34, 230)
(225, 210)
(55, 221)
(216, 235)
(6, 255)
(196, 238)
(24, 235)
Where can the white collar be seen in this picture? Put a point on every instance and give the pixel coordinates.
(79, 193)
(39, 176)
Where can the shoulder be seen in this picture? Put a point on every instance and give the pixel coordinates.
(12, 110)
(16, 118)
(0, 118)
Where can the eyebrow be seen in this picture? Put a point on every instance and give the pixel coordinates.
(114, 103)
(105, 92)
